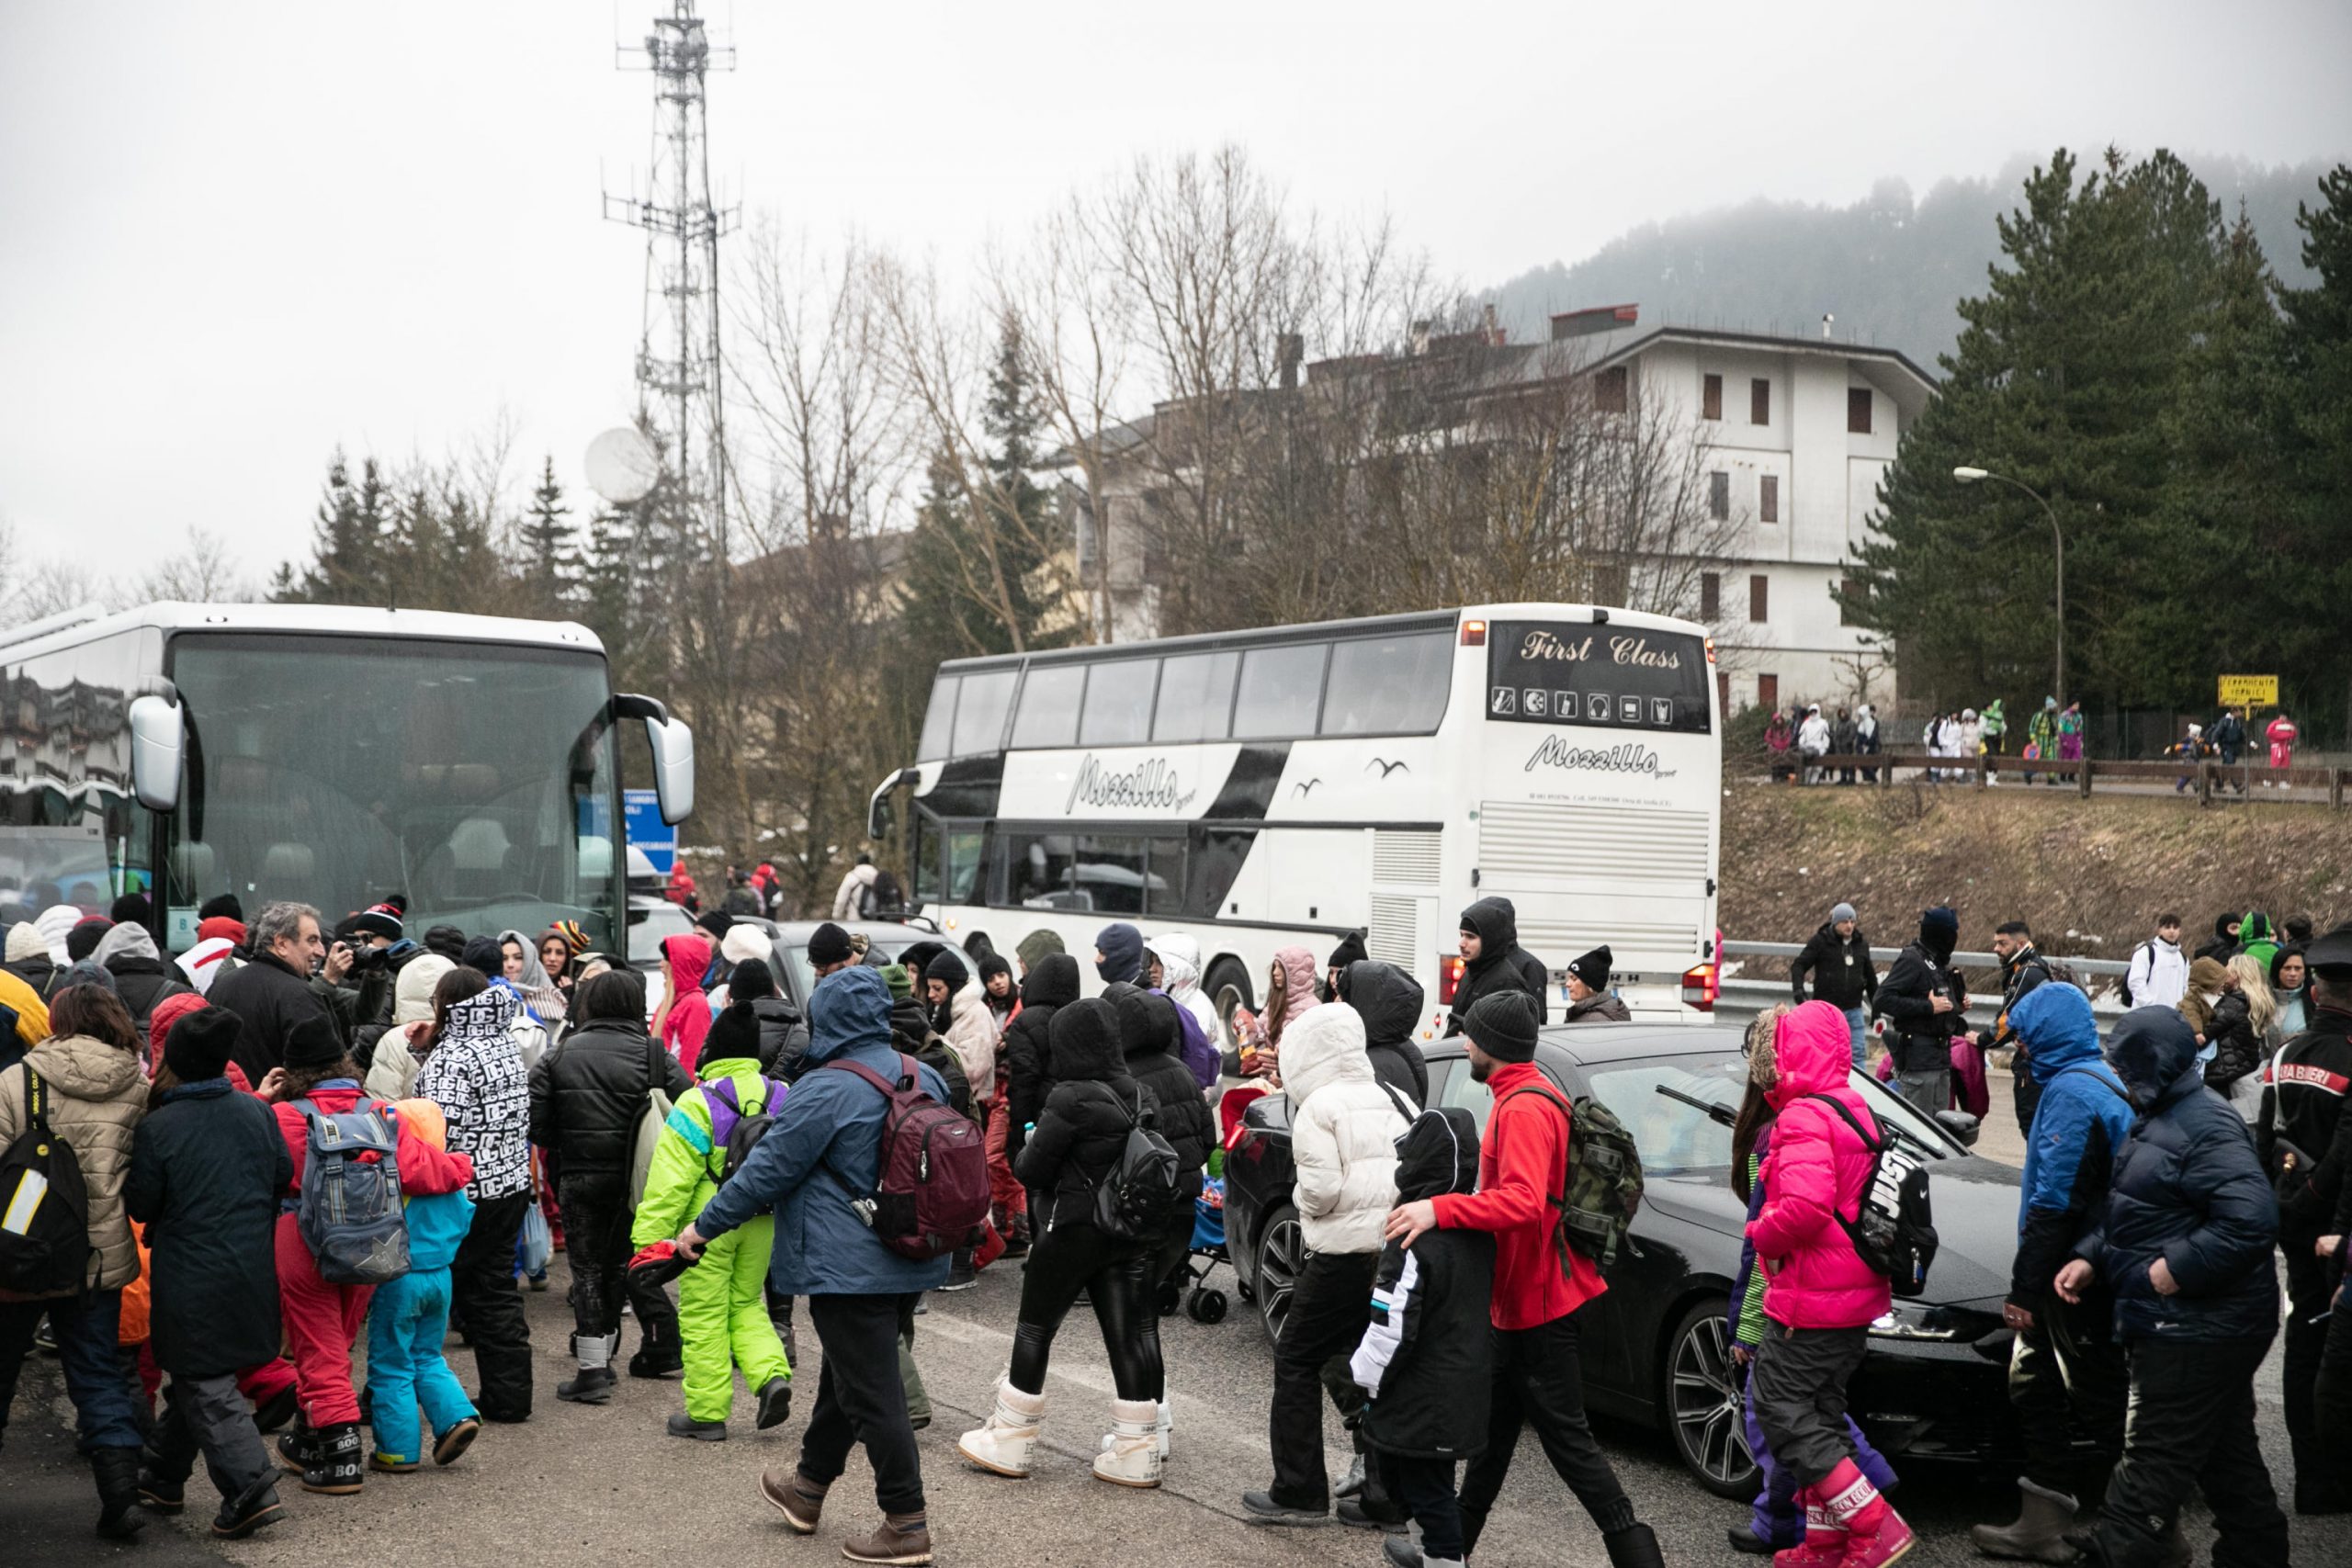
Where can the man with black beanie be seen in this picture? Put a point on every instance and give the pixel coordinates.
(1925, 1003)
(1589, 998)
(1539, 1284)
(829, 949)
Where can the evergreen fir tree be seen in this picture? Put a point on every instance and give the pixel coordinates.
(2309, 558)
(551, 556)
(345, 555)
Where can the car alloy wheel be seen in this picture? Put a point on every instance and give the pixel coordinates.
(1282, 1251)
(1705, 1404)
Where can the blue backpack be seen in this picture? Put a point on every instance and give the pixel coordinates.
(349, 1211)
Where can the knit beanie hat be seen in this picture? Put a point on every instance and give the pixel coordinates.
(829, 944)
(993, 965)
(734, 1034)
(1122, 948)
(87, 972)
(169, 1012)
(222, 925)
(901, 984)
(717, 922)
(222, 905)
(25, 941)
(486, 956)
(947, 966)
(1593, 968)
(83, 939)
(313, 1042)
(1036, 946)
(446, 940)
(743, 942)
(131, 907)
(1842, 912)
(379, 920)
(201, 1042)
(1351, 950)
(1503, 1026)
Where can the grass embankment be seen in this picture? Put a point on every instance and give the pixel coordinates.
(2089, 876)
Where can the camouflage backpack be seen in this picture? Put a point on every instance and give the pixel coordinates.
(1603, 1191)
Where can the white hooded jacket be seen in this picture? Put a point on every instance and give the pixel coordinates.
(1179, 976)
(1344, 1128)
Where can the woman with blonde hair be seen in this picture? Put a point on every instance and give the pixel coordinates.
(2238, 1034)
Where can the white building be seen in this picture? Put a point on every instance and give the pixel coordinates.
(1800, 432)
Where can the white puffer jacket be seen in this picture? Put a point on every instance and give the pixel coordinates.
(1343, 1128)
(1179, 976)
(971, 1035)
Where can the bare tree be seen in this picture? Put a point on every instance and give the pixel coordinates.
(200, 574)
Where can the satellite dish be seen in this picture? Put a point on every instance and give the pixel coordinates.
(623, 466)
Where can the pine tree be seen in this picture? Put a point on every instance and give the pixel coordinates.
(2309, 558)
(607, 588)
(346, 549)
(551, 553)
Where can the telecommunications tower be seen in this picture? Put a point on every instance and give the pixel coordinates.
(678, 391)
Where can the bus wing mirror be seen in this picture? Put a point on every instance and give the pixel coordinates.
(878, 820)
(673, 766)
(156, 741)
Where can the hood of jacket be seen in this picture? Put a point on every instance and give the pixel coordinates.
(2154, 1051)
(1496, 923)
(1180, 966)
(849, 1010)
(1324, 1046)
(413, 989)
(1438, 1153)
(1032, 948)
(689, 956)
(1939, 934)
(910, 1025)
(2059, 1031)
(1388, 999)
(1121, 946)
(2205, 977)
(84, 1069)
(1814, 1047)
(2255, 927)
(1302, 983)
(1084, 1042)
(1148, 1025)
(1052, 981)
(54, 923)
(486, 1015)
(126, 941)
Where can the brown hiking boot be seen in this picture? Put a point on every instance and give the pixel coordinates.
(796, 1497)
(901, 1538)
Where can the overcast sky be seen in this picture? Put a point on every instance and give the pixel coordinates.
(233, 235)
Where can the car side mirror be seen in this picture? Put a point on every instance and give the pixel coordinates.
(157, 739)
(1963, 1127)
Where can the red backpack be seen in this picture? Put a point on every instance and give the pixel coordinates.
(933, 1196)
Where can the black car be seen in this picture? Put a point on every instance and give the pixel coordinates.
(1657, 1345)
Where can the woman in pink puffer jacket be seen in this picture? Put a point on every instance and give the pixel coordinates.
(1822, 1297)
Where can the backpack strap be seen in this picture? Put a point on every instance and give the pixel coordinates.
(2093, 1073)
(877, 1079)
(1559, 1201)
(1875, 1146)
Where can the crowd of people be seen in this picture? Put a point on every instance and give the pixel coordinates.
(296, 1145)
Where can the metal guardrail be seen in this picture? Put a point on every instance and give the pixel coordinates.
(1745, 996)
(2209, 774)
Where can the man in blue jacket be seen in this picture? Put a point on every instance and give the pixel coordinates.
(2065, 1368)
(2186, 1243)
(825, 1149)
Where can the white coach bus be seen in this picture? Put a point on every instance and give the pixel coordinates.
(1255, 790)
(326, 754)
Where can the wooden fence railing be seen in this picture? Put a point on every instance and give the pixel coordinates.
(2209, 777)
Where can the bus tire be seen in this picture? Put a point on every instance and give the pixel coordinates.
(1228, 986)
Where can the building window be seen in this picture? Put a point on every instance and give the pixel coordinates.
(1711, 397)
(1757, 596)
(1723, 693)
(1850, 590)
(1857, 411)
(1711, 596)
(1768, 693)
(1609, 390)
(1759, 401)
(1768, 498)
(1719, 496)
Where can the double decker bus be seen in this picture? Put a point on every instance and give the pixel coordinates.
(1255, 790)
(323, 754)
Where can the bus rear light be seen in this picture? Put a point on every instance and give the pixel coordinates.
(1711, 650)
(1449, 978)
(1700, 986)
(1474, 634)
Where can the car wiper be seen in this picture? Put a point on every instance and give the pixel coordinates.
(1715, 1109)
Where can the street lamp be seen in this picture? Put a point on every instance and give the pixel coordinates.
(1976, 476)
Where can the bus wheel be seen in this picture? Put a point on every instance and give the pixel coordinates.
(1228, 988)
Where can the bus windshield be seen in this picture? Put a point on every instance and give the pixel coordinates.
(475, 778)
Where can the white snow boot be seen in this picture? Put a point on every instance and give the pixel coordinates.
(1005, 1444)
(1133, 1458)
(1166, 1425)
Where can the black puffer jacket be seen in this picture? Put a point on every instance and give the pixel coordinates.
(1389, 1000)
(1918, 1037)
(141, 983)
(1501, 964)
(2237, 1051)
(1151, 1040)
(783, 1037)
(912, 1035)
(1028, 1057)
(1084, 1125)
(2188, 1188)
(1842, 973)
(1427, 1356)
(588, 1092)
(40, 972)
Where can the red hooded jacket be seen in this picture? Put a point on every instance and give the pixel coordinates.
(426, 1171)
(1522, 1166)
(1817, 1165)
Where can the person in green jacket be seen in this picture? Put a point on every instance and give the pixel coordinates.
(723, 1319)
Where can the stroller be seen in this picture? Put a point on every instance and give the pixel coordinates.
(1187, 1286)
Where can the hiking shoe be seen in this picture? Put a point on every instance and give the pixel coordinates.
(797, 1498)
(1264, 1510)
(684, 1425)
(775, 1402)
(451, 1446)
(248, 1511)
(899, 1539)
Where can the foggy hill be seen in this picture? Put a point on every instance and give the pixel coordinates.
(1891, 269)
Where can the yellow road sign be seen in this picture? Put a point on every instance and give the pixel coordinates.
(2249, 691)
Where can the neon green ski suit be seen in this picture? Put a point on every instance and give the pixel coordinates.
(723, 1301)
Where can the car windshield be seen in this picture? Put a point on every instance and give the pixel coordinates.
(475, 778)
(1653, 1097)
(650, 925)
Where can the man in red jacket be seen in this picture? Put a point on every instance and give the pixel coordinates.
(1538, 1281)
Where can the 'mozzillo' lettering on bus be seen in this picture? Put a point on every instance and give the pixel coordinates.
(1552, 751)
(1151, 784)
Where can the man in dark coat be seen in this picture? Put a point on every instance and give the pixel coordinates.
(1390, 1002)
(2022, 971)
(2186, 1246)
(1838, 960)
(272, 993)
(1925, 1005)
(1493, 960)
(207, 1168)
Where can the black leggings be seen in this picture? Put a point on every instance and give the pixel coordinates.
(1073, 1257)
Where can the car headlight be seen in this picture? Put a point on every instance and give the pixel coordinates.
(1909, 1321)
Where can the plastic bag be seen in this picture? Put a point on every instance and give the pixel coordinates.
(534, 1245)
